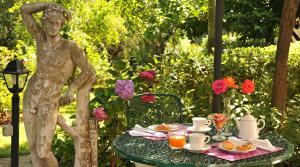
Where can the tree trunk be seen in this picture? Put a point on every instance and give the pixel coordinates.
(287, 23)
(84, 132)
(211, 25)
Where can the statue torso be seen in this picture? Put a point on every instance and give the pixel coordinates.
(54, 68)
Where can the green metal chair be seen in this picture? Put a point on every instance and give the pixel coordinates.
(166, 108)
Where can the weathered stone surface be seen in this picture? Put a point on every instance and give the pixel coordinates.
(56, 60)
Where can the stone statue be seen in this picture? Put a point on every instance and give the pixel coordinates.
(57, 59)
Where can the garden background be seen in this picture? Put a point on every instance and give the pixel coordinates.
(124, 37)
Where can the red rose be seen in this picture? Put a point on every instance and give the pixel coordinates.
(148, 98)
(100, 114)
(248, 86)
(219, 86)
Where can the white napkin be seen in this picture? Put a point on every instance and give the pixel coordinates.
(263, 144)
(259, 143)
(144, 132)
(139, 133)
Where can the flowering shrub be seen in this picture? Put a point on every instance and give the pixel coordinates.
(149, 77)
(124, 89)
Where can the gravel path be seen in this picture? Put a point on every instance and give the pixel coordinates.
(24, 161)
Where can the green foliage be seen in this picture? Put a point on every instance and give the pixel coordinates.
(254, 20)
(155, 22)
(7, 20)
(115, 107)
(191, 72)
(22, 52)
(63, 148)
(5, 94)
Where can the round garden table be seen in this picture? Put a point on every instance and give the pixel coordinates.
(158, 153)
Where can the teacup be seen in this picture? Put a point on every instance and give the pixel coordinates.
(200, 122)
(198, 140)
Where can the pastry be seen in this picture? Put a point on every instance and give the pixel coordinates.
(162, 127)
(244, 147)
(227, 145)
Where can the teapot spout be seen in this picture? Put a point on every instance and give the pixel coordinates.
(237, 121)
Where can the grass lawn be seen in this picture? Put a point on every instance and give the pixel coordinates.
(5, 141)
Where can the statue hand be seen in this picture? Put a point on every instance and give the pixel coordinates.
(67, 98)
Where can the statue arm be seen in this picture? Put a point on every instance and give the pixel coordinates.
(27, 12)
(87, 75)
(81, 61)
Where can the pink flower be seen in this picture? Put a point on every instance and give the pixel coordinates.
(124, 89)
(219, 86)
(148, 75)
(148, 98)
(100, 114)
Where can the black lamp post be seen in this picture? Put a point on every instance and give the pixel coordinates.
(15, 75)
(218, 52)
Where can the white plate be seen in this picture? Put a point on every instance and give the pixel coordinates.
(204, 129)
(234, 149)
(172, 127)
(188, 147)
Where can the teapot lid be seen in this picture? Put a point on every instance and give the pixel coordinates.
(248, 117)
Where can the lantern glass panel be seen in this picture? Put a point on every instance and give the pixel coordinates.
(22, 80)
(11, 80)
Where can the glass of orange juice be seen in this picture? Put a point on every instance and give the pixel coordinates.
(177, 139)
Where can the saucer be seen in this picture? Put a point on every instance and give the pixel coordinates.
(189, 148)
(204, 129)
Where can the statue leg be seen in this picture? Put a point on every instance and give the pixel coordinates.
(30, 128)
(46, 123)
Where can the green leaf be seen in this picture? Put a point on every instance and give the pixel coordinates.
(114, 72)
(119, 65)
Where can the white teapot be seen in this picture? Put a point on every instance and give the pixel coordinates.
(247, 127)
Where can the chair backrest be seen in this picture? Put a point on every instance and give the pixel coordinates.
(166, 108)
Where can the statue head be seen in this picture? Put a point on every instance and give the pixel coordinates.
(53, 19)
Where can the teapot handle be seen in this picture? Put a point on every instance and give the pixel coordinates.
(261, 121)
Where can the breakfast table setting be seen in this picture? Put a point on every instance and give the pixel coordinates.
(203, 142)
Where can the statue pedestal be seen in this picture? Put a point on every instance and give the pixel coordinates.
(93, 124)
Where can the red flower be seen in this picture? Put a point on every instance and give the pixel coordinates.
(248, 86)
(148, 75)
(148, 98)
(230, 82)
(219, 86)
(100, 114)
